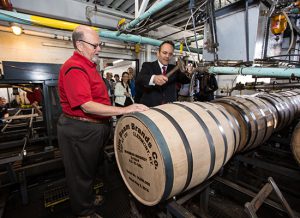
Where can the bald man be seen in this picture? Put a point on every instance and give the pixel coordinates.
(84, 126)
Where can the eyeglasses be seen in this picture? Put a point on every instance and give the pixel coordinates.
(94, 45)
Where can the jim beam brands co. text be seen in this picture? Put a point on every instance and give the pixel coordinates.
(137, 159)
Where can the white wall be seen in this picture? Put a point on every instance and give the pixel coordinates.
(26, 48)
(120, 68)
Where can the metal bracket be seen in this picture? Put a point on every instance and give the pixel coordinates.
(258, 200)
(176, 209)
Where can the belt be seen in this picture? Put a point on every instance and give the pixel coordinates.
(89, 120)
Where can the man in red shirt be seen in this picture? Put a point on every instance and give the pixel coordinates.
(34, 95)
(84, 126)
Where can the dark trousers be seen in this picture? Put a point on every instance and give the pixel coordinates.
(82, 146)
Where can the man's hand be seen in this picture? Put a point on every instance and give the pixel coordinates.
(160, 80)
(135, 108)
(35, 105)
(189, 68)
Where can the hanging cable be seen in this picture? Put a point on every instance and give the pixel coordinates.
(191, 7)
(292, 30)
(139, 27)
(184, 35)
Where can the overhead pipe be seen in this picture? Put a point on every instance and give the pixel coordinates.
(152, 10)
(166, 15)
(21, 18)
(256, 71)
(192, 39)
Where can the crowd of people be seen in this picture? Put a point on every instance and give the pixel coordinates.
(121, 92)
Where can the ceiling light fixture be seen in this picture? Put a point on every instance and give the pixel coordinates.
(117, 61)
(16, 29)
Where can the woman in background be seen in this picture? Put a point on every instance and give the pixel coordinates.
(123, 93)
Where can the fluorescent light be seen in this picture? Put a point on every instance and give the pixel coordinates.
(117, 61)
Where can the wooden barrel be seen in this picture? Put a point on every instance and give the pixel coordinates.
(288, 107)
(294, 98)
(256, 117)
(282, 108)
(173, 147)
(295, 143)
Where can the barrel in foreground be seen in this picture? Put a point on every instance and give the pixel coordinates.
(173, 147)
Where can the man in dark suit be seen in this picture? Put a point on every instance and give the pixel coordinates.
(153, 87)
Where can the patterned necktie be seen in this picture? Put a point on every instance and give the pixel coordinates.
(164, 70)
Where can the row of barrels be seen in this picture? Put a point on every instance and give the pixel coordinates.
(174, 147)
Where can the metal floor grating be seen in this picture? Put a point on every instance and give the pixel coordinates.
(58, 194)
(55, 196)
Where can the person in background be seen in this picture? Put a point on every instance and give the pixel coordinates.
(108, 86)
(207, 86)
(3, 108)
(35, 97)
(123, 92)
(2, 102)
(154, 86)
(117, 78)
(84, 125)
(131, 81)
(109, 77)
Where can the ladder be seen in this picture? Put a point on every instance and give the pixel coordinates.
(258, 200)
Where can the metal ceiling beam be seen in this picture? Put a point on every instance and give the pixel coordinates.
(111, 11)
(108, 2)
(131, 9)
(179, 18)
(199, 28)
(116, 4)
(127, 5)
(178, 31)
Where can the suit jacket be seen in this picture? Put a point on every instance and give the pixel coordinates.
(157, 95)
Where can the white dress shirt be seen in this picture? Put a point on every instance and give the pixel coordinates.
(151, 83)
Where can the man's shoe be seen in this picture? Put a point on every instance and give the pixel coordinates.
(99, 199)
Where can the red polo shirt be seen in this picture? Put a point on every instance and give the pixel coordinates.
(35, 95)
(78, 83)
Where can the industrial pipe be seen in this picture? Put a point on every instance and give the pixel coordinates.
(155, 8)
(190, 40)
(21, 18)
(256, 71)
(273, 86)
